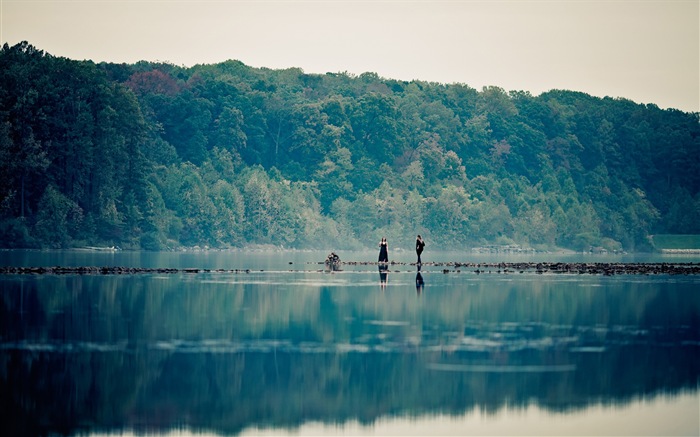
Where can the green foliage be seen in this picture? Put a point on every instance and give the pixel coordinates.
(58, 218)
(155, 156)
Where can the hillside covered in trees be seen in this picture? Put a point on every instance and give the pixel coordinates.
(157, 156)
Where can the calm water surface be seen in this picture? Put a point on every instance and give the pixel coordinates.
(291, 348)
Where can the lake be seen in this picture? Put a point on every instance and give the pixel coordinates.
(276, 344)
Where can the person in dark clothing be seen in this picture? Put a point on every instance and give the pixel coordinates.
(420, 244)
(383, 251)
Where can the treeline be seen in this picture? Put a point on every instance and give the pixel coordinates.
(157, 156)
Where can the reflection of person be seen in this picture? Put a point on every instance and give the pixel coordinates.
(419, 281)
(420, 244)
(383, 270)
(383, 251)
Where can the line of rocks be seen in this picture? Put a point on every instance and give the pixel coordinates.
(607, 269)
(109, 270)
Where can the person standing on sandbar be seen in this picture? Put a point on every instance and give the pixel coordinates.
(383, 251)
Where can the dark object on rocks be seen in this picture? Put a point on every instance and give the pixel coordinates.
(333, 262)
(332, 258)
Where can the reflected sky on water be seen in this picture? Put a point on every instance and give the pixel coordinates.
(297, 348)
(664, 416)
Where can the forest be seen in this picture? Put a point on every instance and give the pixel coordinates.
(155, 156)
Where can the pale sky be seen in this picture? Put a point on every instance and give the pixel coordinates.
(645, 51)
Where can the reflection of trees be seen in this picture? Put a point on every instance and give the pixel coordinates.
(111, 350)
(227, 392)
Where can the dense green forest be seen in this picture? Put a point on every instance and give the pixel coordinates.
(158, 156)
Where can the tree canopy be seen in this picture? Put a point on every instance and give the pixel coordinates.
(156, 156)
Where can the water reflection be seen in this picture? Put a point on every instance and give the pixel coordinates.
(383, 274)
(420, 283)
(665, 416)
(226, 353)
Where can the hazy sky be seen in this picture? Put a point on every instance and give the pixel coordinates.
(646, 51)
